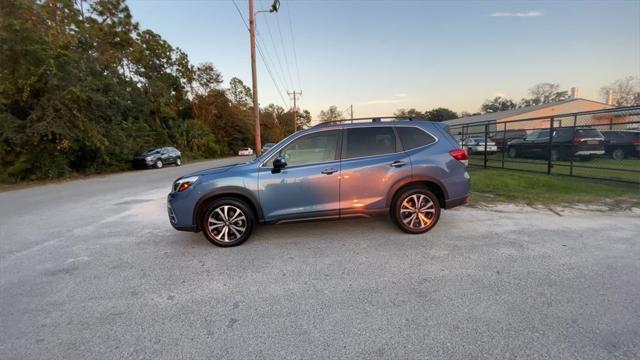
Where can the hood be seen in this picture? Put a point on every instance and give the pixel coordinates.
(215, 170)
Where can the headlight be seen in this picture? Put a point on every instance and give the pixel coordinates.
(183, 184)
(148, 158)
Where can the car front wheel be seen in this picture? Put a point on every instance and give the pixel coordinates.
(416, 210)
(178, 161)
(159, 164)
(228, 222)
(512, 152)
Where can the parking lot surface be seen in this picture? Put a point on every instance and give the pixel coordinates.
(92, 269)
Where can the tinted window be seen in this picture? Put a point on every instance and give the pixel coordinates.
(312, 148)
(588, 133)
(370, 141)
(412, 137)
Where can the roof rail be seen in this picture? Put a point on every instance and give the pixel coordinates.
(367, 119)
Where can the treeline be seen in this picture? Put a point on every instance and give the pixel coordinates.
(83, 89)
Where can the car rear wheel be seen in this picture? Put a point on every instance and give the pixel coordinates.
(416, 210)
(512, 152)
(555, 155)
(159, 164)
(618, 154)
(228, 222)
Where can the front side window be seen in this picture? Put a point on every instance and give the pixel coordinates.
(313, 148)
(369, 141)
(412, 137)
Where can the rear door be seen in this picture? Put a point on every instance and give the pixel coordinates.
(372, 161)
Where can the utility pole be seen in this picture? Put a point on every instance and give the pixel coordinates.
(351, 111)
(295, 109)
(254, 75)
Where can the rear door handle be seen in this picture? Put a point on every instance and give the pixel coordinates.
(398, 163)
(329, 171)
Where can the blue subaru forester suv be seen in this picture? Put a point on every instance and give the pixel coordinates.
(407, 169)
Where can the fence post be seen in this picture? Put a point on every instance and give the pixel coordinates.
(549, 146)
(504, 142)
(486, 130)
(573, 144)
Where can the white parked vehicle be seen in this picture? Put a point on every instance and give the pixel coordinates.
(475, 145)
(245, 151)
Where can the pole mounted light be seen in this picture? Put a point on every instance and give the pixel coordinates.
(252, 34)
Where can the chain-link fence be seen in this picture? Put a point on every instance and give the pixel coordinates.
(603, 144)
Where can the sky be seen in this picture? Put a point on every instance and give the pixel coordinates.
(380, 56)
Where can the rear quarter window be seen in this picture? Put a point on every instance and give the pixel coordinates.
(412, 137)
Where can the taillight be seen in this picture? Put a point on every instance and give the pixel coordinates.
(635, 141)
(460, 155)
(578, 139)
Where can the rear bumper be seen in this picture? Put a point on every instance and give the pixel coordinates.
(589, 152)
(451, 203)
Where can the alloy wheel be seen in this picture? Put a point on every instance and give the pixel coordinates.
(159, 164)
(227, 223)
(417, 211)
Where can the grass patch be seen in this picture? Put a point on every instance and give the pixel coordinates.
(491, 185)
(600, 167)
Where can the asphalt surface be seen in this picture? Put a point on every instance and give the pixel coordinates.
(91, 269)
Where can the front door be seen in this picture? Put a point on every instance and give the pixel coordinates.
(309, 186)
(372, 162)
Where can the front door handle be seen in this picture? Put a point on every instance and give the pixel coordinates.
(329, 171)
(398, 163)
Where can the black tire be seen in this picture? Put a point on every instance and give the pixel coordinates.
(158, 164)
(618, 154)
(407, 193)
(178, 161)
(512, 152)
(214, 235)
(555, 155)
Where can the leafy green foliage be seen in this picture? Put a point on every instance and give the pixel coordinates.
(84, 91)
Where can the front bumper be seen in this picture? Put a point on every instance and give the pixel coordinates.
(180, 220)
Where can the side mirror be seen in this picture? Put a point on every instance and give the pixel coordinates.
(279, 163)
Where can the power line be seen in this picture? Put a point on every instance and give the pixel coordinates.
(275, 50)
(293, 43)
(286, 60)
(264, 59)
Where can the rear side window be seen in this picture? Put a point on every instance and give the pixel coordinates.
(369, 141)
(588, 133)
(412, 137)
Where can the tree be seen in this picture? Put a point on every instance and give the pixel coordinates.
(411, 113)
(544, 93)
(498, 103)
(626, 91)
(239, 92)
(330, 114)
(467, 114)
(440, 114)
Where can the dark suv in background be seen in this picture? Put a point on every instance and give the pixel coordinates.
(622, 143)
(407, 169)
(158, 157)
(565, 144)
(501, 138)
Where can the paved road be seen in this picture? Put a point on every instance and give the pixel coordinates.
(91, 269)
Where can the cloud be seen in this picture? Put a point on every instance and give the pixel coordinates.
(372, 102)
(400, 95)
(517, 14)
